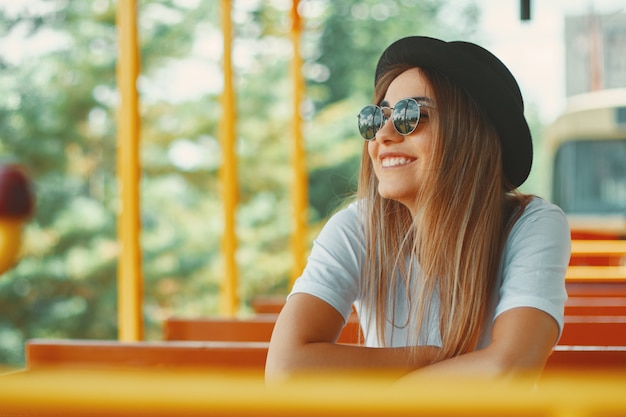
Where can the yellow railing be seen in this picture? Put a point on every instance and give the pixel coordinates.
(299, 190)
(130, 279)
(228, 172)
(186, 393)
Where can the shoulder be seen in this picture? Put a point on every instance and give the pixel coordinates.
(340, 241)
(538, 205)
(538, 246)
(543, 218)
(541, 236)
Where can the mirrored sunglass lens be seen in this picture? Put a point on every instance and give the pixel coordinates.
(406, 115)
(369, 120)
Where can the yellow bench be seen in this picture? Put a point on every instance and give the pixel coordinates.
(615, 274)
(598, 247)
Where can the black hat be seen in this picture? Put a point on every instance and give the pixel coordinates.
(486, 79)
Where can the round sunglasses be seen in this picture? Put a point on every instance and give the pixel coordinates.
(405, 117)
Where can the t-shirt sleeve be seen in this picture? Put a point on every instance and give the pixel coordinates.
(333, 267)
(536, 257)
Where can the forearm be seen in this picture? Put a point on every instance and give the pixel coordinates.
(481, 363)
(305, 336)
(521, 343)
(319, 356)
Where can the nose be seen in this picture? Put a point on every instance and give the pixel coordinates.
(387, 133)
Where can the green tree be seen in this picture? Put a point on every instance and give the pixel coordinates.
(58, 120)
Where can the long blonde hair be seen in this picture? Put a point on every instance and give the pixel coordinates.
(458, 232)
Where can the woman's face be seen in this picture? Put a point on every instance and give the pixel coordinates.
(400, 162)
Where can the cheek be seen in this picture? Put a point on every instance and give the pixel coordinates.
(426, 144)
(371, 149)
(428, 149)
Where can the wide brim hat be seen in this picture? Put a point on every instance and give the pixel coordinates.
(486, 79)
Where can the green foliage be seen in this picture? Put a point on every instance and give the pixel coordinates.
(58, 118)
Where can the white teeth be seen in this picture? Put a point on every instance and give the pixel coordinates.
(393, 162)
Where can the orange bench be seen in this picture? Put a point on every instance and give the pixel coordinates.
(268, 304)
(41, 353)
(595, 306)
(584, 292)
(254, 329)
(594, 331)
(596, 288)
(601, 273)
(112, 354)
(579, 330)
(598, 252)
(590, 247)
(587, 358)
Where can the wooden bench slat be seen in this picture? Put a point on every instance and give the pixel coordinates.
(595, 310)
(580, 358)
(594, 331)
(577, 301)
(578, 330)
(577, 273)
(595, 288)
(598, 247)
(254, 329)
(42, 353)
(268, 304)
(595, 306)
(103, 353)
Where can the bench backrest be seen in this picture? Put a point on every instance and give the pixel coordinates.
(595, 306)
(583, 330)
(255, 329)
(42, 353)
(111, 354)
(598, 252)
(594, 331)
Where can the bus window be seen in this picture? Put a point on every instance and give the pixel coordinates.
(590, 177)
(620, 116)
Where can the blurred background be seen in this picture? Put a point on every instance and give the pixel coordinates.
(58, 119)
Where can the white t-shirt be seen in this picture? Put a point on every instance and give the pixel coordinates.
(532, 274)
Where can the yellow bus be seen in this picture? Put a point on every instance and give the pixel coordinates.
(586, 150)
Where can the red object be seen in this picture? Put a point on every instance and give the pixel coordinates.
(16, 195)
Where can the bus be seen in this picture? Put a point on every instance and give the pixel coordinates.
(586, 150)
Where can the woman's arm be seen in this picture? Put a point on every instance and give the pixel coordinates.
(522, 339)
(304, 339)
(306, 331)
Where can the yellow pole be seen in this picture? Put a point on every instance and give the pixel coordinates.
(228, 173)
(300, 197)
(129, 274)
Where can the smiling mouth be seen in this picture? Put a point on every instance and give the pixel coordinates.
(394, 162)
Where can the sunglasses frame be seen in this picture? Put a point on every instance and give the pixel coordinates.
(385, 118)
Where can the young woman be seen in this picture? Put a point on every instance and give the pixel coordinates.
(448, 266)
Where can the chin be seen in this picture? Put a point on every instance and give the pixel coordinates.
(391, 195)
(404, 197)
